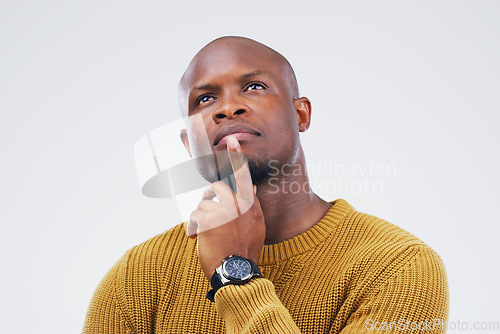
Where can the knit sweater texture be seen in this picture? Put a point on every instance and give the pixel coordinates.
(350, 273)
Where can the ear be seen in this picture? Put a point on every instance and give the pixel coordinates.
(185, 141)
(303, 108)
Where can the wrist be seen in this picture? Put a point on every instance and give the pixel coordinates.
(233, 270)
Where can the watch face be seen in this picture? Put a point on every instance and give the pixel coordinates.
(238, 268)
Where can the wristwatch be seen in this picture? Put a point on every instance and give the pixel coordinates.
(233, 270)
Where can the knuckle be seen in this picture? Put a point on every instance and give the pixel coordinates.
(236, 154)
(245, 177)
(204, 204)
(194, 217)
(207, 189)
(220, 186)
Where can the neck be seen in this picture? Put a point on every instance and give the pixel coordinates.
(290, 207)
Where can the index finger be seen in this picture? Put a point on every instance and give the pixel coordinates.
(244, 185)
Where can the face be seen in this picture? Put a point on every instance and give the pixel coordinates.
(232, 87)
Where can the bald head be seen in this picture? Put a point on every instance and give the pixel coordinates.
(229, 49)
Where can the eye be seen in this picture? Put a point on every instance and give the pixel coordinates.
(255, 86)
(204, 99)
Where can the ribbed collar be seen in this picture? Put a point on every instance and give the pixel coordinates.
(309, 239)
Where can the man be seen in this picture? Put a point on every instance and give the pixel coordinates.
(272, 260)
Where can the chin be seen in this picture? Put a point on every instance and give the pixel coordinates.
(217, 167)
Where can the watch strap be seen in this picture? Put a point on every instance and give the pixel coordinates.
(216, 284)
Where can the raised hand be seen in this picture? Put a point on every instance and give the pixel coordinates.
(234, 225)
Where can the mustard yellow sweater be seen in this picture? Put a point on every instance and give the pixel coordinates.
(350, 273)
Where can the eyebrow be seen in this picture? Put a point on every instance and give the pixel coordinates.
(203, 87)
(251, 74)
(243, 76)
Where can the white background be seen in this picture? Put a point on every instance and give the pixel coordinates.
(409, 83)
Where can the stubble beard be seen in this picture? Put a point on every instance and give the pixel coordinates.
(260, 169)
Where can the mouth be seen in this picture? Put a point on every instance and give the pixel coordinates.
(240, 131)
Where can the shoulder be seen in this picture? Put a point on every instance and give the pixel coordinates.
(134, 282)
(157, 254)
(377, 247)
(379, 234)
(391, 274)
(172, 238)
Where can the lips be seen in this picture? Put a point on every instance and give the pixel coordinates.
(232, 129)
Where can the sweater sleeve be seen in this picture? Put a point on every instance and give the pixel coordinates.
(414, 299)
(253, 308)
(104, 314)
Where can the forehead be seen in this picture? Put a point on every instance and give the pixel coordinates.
(220, 62)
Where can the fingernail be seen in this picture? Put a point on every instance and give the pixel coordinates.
(232, 142)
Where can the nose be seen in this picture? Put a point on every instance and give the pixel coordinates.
(230, 107)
